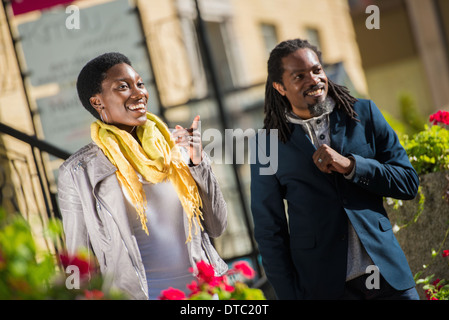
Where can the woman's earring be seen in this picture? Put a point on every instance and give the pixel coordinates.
(105, 115)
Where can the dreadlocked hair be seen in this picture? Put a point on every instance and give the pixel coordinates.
(277, 105)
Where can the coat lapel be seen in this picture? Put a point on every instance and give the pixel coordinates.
(102, 168)
(106, 187)
(107, 190)
(301, 140)
(337, 130)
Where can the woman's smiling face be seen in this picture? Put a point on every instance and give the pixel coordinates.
(123, 98)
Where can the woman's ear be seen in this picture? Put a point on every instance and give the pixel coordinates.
(95, 102)
(279, 87)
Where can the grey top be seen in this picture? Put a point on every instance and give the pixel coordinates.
(164, 252)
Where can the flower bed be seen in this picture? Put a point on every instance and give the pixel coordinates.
(74, 277)
(422, 224)
(421, 227)
(210, 287)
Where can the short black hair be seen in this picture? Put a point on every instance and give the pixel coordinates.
(92, 75)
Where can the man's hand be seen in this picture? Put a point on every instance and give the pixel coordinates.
(328, 160)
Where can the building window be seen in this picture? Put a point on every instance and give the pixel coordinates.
(221, 54)
(313, 36)
(270, 38)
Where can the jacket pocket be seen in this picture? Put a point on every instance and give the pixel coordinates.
(302, 242)
(384, 224)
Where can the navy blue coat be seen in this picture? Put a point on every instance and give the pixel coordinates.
(304, 254)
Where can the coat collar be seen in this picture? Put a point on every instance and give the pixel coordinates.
(102, 166)
(92, 160)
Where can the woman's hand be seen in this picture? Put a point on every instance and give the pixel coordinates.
(190, 139)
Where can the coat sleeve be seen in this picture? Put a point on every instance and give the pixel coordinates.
(271, 227)
(214, 206)
(390, 173)
(72, 212)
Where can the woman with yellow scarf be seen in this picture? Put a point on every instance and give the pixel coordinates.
(129, 197)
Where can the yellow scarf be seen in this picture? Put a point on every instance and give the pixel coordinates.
(157, 160)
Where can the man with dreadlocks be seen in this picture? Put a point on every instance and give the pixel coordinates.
(336, 160)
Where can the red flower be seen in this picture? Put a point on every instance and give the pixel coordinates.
(172, 294)
(440, 117)
(82, 264)
(228, 288)
(206, 273)
(224, 284)
(193, 287)
(445, 253)
(245, 269)
(93, 294)
(436, 284)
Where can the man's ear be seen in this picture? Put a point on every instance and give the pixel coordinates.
(279, 87)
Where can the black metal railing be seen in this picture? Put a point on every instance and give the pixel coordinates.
(24, 183)
(14, 158)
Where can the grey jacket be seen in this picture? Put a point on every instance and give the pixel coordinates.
(94, 217)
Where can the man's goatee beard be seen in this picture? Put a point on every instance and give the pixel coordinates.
(320, 108)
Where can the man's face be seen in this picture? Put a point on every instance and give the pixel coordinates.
(304, 83)
(123, 98)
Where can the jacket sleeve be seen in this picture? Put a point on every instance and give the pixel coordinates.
(72, 212)
(390, 173)
(214, 205)
(271, 228)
